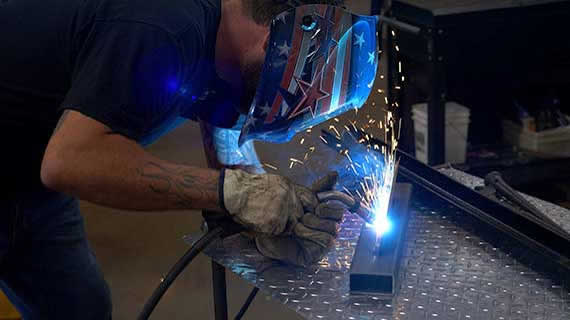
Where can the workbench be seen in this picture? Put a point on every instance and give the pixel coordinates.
(452, 267)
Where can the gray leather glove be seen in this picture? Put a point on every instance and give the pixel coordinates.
(265, 203)
(312, 237)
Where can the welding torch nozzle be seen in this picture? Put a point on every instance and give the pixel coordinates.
(352, 203)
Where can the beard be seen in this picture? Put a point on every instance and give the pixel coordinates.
(251, 73)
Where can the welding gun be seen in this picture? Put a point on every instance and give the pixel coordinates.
(352, 203)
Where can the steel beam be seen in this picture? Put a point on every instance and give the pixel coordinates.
(375, 269)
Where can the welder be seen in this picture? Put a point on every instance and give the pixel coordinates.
(86, 84)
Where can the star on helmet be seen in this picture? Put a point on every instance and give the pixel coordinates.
(359, 40)
(312, 94)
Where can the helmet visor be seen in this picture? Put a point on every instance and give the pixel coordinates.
(321, 61)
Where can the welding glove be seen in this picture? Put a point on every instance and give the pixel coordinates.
(312, 237)
(264, 203)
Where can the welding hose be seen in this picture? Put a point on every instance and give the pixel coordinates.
(210, 236)
(196, 248)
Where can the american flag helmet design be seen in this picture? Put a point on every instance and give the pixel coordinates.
(321, 61)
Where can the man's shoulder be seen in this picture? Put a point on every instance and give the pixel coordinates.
(173, 16)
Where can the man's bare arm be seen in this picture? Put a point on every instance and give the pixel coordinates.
(85, 159)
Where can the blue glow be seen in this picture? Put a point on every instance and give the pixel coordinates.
(309, 27)
(382, 225)
(172, 85)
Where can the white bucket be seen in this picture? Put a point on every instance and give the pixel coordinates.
(456, 130)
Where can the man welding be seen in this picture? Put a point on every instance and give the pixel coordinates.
(85, 84)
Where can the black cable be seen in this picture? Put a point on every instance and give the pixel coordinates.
(246, 304)
(198, 246)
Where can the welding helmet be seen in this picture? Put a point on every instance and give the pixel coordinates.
(321, 61)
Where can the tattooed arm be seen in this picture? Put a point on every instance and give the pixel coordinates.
(221, 147)
(85, 159)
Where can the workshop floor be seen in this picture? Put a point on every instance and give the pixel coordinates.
(136, 249)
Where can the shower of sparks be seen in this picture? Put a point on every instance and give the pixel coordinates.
(375, 170)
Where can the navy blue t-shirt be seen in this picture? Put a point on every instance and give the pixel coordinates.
(135, 65)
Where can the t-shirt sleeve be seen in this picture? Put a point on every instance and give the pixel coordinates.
(126, 76)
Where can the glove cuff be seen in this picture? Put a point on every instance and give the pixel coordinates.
(221, 203)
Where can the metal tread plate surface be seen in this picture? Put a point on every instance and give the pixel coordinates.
(453, 267)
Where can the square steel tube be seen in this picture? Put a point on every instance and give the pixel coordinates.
(375, 270)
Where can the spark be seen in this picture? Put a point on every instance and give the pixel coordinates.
(348, 156)
(355, 172)
(324, 140)
(270, 166)
(302, 141)
(354, 125)
(358, 193)
(335, 130)
(296, 160)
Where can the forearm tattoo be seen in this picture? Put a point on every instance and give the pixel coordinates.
(185, 186)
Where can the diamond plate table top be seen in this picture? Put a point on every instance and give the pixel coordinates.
(452, 267)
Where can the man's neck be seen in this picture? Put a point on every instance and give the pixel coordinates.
(238, 39)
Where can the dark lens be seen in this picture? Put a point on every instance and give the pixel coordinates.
(308, 23)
